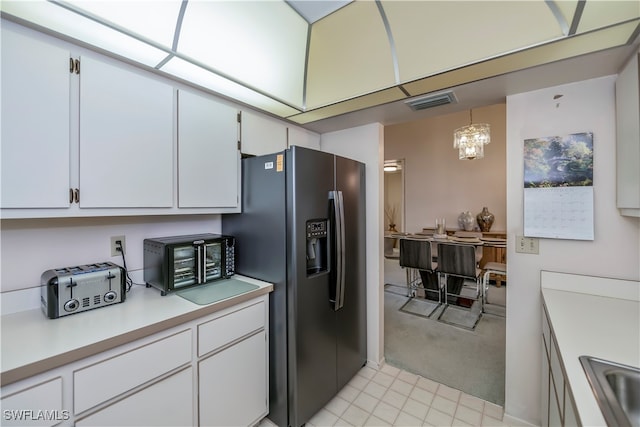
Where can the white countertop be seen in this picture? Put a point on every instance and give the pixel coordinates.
(31, 343)
(604, 323)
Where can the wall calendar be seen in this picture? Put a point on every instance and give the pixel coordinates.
(558, 187)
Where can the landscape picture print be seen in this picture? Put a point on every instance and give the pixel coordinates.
(559, 161)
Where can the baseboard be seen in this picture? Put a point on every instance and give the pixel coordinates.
(515, 421)
(374, 365)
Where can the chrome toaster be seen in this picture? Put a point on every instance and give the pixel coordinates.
(70, 290)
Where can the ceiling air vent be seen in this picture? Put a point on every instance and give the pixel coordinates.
(430, 101)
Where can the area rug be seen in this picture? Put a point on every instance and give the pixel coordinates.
(396, 289)
(460, 317)
(420, 307)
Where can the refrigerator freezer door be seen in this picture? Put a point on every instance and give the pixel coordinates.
(312, 321)
(260, 234)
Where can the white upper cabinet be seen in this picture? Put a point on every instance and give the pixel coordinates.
(126, 138)
(35, 123)
(86, 135)
(628, 138)
(208, 155)
(260, 135)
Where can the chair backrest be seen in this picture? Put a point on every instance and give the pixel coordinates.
(416, 254)
(457, 260)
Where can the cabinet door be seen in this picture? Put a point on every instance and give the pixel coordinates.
(168, 402)
(126, 138)
(208, 156)
(628, 138)
(233, 384)
(262, 136)
(35, 123)
(545, 388)
(23, 407)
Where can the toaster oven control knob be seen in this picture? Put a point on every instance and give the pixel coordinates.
(110, 296)
(71, 305)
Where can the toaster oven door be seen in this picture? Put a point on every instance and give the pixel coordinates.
(213, 260)
(185, 266)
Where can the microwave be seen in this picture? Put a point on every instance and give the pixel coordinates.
(180, 262)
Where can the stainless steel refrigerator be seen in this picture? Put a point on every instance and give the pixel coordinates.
(302, 227)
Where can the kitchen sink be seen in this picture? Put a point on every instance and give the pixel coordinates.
(617, 390)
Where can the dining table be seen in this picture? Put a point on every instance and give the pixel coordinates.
(454, 284)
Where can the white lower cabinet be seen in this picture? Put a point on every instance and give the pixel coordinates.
(557, 406)
(168, 402)
(233, 384)
(159, 380)
(116, 375)
(35, 405)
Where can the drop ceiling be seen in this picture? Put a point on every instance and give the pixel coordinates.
(333, 63)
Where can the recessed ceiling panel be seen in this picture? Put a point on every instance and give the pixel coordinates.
(435, 36)
(562, 49)
(366, 101)
(313, 10)
(260, 43)
(349, 55)
(598, 14)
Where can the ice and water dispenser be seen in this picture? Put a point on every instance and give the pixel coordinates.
(317, 246)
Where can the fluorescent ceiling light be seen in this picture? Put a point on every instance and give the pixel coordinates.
(153, 20)
(61, 20)
(185, 70)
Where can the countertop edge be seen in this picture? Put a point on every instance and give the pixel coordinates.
(22, 372)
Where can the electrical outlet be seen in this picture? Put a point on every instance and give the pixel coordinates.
(526, 245)
(114, 246)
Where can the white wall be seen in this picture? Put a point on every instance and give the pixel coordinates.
(586, 106)
(32, 246)
(437, 183)
(366, 144)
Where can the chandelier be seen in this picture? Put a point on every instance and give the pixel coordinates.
(470, 140)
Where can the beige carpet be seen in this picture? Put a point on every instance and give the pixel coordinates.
(470, 361)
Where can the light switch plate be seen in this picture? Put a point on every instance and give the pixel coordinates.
(526, 245)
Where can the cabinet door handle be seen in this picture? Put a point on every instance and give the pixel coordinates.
(71, 65)
(71, 195)
(76, 195)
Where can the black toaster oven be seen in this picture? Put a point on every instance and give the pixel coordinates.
(179, 262)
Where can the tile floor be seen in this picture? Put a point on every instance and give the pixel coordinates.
(394, 397)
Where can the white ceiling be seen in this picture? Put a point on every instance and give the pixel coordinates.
(331, 64)
(313, 10)
(488, 91)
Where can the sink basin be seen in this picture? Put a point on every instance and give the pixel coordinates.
(617, 390)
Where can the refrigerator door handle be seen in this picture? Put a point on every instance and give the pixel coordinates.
(338, 206)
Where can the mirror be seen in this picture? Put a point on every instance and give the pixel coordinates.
(394, 220)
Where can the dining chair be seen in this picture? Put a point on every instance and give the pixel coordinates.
(458, 266)
(415, 256)
(495, 268)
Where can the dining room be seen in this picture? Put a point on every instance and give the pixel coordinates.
(446, 328)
